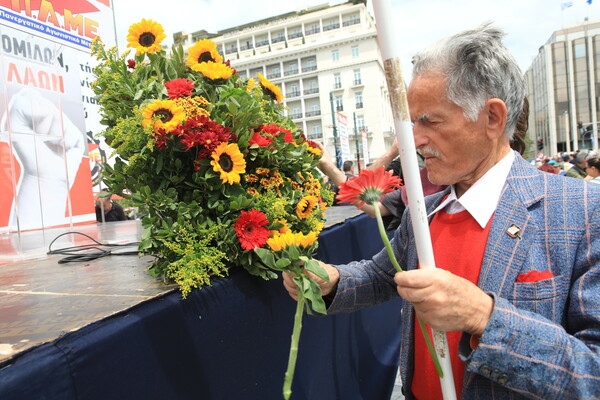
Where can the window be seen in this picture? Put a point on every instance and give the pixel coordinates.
(357, 79)
(337, 80)
(360, 122)
(335, 55)
(355, 52)
(316, 130)
(358, 99)
(294, 90)
(339, 103)
(314, 28)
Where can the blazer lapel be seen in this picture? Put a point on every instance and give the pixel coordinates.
(511, 235)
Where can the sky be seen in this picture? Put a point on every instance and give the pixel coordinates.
(527, 23)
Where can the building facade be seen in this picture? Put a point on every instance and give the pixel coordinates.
(563, 85)
(327, 62)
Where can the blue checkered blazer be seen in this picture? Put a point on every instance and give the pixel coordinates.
(543, 338)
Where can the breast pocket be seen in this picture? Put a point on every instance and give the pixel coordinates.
(546, 297)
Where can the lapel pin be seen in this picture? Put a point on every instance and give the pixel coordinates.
(514, 232)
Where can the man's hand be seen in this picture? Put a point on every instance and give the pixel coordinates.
(326, 287)
(444, 301)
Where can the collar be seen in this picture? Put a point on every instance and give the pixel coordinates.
(482, 198)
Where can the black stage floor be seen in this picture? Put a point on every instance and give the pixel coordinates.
(40, 299)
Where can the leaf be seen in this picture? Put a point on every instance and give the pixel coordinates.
(282, 263)
(314, 267)
(266, 257)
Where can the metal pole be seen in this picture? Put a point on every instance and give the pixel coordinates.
(338, 151)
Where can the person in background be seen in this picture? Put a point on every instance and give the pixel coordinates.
(108, 209)
(593, 170)
(348, 169)
(520, 308)
(548, 166)
(580, 164)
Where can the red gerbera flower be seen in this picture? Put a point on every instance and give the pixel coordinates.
(250, 229)
(179, 87)
(368, 187)
(260, 140)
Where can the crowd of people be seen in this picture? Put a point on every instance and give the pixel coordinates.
(517, 248)
(579, 164)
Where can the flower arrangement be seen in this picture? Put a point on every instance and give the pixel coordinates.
(215, 167)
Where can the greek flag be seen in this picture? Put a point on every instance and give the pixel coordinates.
(589, 1)
(566, 4)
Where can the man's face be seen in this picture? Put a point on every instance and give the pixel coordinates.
(455, 150)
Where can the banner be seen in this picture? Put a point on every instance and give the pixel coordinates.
(342, 128)
(50, 114)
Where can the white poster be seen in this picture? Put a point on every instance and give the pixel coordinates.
(342, 128)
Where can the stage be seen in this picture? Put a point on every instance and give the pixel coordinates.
(68, 330)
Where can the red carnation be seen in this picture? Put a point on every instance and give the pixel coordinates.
(179, 87)
(131, 63)
(250, 229)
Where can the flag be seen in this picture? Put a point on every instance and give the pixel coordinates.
(566, 4)
(589, 1)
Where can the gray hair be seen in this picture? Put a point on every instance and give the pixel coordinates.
(477, 67)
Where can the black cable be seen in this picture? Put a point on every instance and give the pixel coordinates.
(83, 253)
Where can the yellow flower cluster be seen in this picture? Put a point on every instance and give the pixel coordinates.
(284, 240)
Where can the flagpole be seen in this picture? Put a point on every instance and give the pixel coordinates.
(387, 37)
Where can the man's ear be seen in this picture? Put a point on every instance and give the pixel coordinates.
(496, 117)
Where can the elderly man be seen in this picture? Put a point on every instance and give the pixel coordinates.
(517, 250)
(579, 169)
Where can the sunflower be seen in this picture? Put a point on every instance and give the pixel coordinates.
(272, 90)
(164, 114)
(305, 206)
(250, 84)
(145, 36)
(213, 70)
(228, 160)
(203, 51)
(250, 229)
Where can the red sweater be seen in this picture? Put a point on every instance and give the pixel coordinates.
(458, 246)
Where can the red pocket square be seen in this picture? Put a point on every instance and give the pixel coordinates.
(535, 276)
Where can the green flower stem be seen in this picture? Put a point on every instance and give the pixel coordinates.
(388, 247)
(289, 374)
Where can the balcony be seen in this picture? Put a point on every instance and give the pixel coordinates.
(291, 71)
(249, 46)
(353, 21)
(309, 68)
(331, 26)
(311, 90)
(274, 75)
(277, 39)
(295, 35)
(337, 86)
(312, 31)
(295, 116)
(357, 82)
(264, 42)
(315, 113)
(339, 108)
(294, 93)
(231, 50)
(359, 105)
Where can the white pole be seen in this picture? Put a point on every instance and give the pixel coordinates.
(387, 36)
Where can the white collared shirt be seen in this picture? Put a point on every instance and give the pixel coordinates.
(481, 199)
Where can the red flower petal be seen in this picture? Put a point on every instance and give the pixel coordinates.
(368, 186)
(250, 229)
